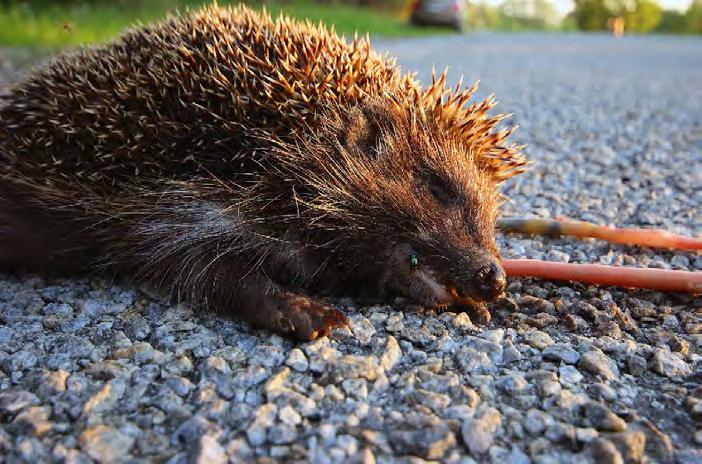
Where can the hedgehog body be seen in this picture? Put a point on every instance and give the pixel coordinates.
(244, 163)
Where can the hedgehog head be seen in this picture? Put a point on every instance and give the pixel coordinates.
(404, 201)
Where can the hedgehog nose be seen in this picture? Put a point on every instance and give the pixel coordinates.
(490, 282)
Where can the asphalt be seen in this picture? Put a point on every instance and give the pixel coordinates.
(99, 370)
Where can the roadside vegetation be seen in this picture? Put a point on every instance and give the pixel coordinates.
(67, 22)
(47, 23)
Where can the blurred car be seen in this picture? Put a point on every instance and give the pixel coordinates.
(439, 12)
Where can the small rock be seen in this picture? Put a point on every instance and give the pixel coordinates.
(30, 450)
(510, 353)
(602, 418)
(636, 365)
(669, 364)
(395, 324)
(105, 444)
(357, 388)
(489, 344)
(569, 375)
(462, 321)
(391, 354)
(208, 450)
(437, 402)
(513, 383)
(239, 450)
(679, 345)
(193, 428)
(106, 398)
(288, 415)
(540, 446)
(586, 434)
(605, 452)
(600, 364)
(151, 443)
(139, 352)
(586, 310)
(538, 339)
(538, 305)
(561, 432)
(698, 436)
(352, 367)
(179, 385)
(561, 352)
(297, 360)
(575, 323)
(604, 391)
(430, 443)
(694, 405)
(33, 420)
(479, 432)
(472, 361)
(623, 319)
(536, 421)
(66, 455)
(362, 328)
(549, 387)
(557, 256)
(54, 381)
(609, 329)
(282, 434)
(263, 419)
(680, 262)
(688, 456)
(12, 401)
(541, 320)
(517, 456)
(630, 444)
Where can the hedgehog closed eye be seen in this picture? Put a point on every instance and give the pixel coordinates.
(440, 194)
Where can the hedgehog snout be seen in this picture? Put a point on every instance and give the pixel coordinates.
(484, 284)
(489, 282)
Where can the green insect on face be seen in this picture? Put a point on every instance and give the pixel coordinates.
(414, 262)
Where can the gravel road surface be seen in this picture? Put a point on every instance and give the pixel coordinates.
(97, 370)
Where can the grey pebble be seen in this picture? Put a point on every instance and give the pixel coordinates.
(569, 375)
(538, 339)
(669, 364)
(600, 364)
(105, 444)
(602, 418)
(479, 432)
(208, 450)
(430, 443)
(561, 352)
(297, 360)
(12, 401)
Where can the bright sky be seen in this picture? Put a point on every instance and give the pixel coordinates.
(565, 6)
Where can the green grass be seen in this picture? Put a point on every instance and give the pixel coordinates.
(59, 25)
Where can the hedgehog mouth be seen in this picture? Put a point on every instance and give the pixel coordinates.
(440, 292)
(443, 295)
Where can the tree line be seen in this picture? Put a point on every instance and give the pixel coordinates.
(635, 16)
(639, 16)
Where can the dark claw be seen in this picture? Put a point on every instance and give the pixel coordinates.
(322, 325)
(307, 319)
(479, 314)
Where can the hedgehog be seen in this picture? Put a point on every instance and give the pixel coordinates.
(254, 166)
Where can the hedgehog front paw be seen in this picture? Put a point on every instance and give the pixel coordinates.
(306, 319)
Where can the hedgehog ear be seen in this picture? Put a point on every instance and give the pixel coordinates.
(362, 132)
